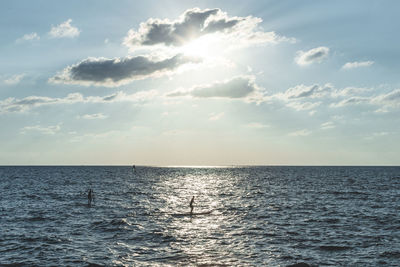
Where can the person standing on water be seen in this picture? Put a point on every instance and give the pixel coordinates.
(191, 205)
(90, 197)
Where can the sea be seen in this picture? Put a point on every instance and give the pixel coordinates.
(242, 216)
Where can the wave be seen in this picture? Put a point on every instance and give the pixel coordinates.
(334, 248)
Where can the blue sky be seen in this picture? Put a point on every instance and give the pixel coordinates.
(200, 82)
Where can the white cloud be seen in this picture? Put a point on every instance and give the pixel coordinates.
(327, 125)
(384, 101)
(303, 132)
(303, 105)
(382, 110)
(354, 100)
(350, 91)
(15, 79)
(303, 97)
(64, 30)
(216, 116)
(193, 24)
(303, 91)
(21, 105)
(118, 71)
(49, 130)
(315, 55)
(28, 37)
(389, 99)
(95, 116)
(357, 64)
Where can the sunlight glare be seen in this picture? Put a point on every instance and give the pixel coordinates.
(205, 46)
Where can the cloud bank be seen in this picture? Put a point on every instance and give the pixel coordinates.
(300, 97)
(303, 97)
(315, 55)
(25, 104)
(194, 23)
(118, 71)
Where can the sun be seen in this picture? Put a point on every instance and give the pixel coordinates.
(204, 46)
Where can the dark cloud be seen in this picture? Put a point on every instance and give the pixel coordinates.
(110, 98)
(314, 56)
(117, 71)
(35, 101)
(190, 26)
(305, 93)
(221, 25)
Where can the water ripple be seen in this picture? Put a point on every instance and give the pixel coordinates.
(249, 216)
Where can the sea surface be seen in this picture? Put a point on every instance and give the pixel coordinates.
(260, 216)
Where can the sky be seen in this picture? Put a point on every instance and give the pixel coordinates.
(174, 83)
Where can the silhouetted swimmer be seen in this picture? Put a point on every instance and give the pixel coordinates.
(90, 197)
(191, 205)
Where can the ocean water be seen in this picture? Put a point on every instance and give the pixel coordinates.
(260, 216)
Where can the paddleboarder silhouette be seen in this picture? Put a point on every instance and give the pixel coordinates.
(191, 205)
(90, 197)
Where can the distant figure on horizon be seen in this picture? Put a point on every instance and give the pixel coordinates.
(90, 197)
(191, 205)
(134, 168)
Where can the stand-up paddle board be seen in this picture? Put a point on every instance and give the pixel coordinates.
(192, 214)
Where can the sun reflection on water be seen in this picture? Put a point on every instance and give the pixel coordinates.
(200, 237)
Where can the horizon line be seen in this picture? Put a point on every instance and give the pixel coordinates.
(195, 166)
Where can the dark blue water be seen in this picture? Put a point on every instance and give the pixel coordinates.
(261, 216)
